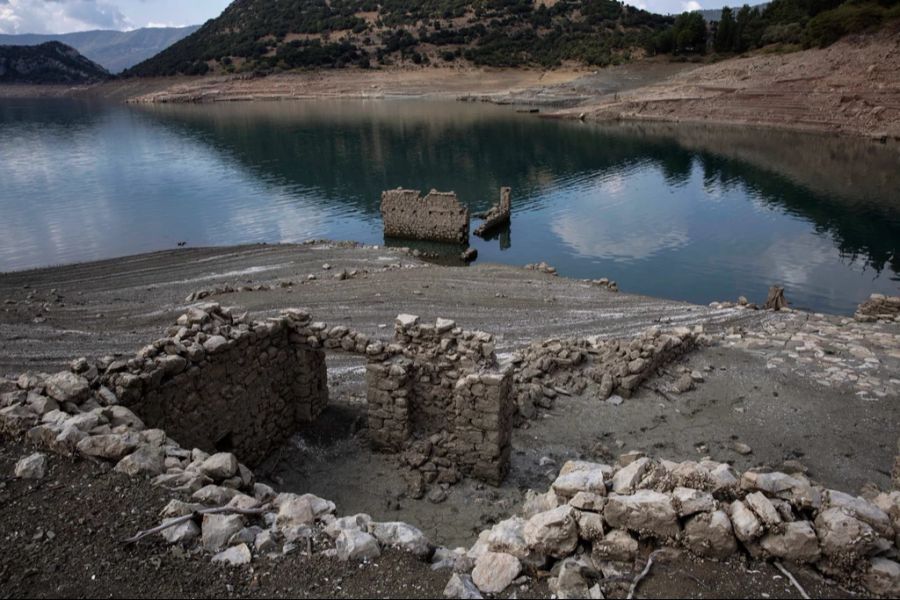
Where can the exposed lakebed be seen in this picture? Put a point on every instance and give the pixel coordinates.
(683, 212)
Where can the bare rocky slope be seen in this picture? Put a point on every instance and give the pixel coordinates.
(849, 87)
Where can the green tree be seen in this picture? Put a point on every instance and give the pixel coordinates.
(724, 41)
(742, 27)
(690, 33)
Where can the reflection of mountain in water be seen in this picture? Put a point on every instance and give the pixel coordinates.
(349, 155)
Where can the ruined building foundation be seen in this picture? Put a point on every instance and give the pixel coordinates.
(223, 383)
(439, 216)
(446, 388)
(498, 215)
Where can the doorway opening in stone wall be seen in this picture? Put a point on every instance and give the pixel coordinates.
(332, 458)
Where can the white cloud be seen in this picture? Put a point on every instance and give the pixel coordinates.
(155, 25)
(691, 5)
(616, 218)
(59, 16)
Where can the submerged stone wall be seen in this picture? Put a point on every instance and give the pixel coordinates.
(439, 216)
(498, 215)
(879, 308)
(222, 383)
(443, 386)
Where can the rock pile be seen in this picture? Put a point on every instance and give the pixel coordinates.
(879, 308)
(541, 267)
(604, 282)
(588, 528)
(603, 367)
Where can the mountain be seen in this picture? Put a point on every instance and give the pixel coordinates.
(271, 35)
(115, 50)
(51, 62)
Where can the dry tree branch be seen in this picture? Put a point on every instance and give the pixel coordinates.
(640, 577)
(196, 515)
(792, 579)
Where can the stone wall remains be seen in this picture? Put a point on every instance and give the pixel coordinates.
(597, 516)
(221, 383)
(439, 216)
(879, 308)
(498, 215)
(443, 386)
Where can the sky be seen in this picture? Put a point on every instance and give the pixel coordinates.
(65, 16)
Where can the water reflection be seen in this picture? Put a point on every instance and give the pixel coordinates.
(693, 213)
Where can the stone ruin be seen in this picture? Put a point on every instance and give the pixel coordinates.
(586, 530)
(445, 390)
(223, 383)
(879, 308)
(439, 216)
(497, 216)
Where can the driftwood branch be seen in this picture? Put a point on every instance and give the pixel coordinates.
(643, 574)
(792, 579)
(196, 515)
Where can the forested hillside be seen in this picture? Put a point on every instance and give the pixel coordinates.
(285, 34)
(264, 36)
(52, 62)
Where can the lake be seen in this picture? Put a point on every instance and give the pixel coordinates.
(692, 213)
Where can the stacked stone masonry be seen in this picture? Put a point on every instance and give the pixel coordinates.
(439, 216)
(591, 523)
(879, 308)
(223, 383)
(498, 215)
(220, 382)
(443, 386)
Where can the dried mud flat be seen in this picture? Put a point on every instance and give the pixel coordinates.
(341, 83)
(765, 385)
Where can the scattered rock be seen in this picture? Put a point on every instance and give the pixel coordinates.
(553, 532)
(710, 535)
(645, 511)
(461, 586)
(218, 529)
(182, 533)
(495, 571)
(234, 556)
(32, 467)
(797, 543)
(222, 465)
(356, 545)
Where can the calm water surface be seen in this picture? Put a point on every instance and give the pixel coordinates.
(690, 213)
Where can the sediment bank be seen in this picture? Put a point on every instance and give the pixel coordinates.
(847, 89)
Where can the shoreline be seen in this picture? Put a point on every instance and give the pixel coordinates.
(815, 364)
(847, 89)
(778, 390)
